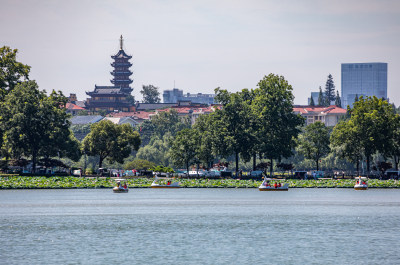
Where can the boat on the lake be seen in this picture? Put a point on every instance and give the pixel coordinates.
(361, 183)
(165, 183)
(121, 186)
(268, 185)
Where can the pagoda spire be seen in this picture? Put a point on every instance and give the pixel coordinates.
(121, 43)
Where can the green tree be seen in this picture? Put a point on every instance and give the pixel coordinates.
(131, 100)
(157, 151)
(35, 125)
(372, 126)
(184, 148)
(146, 131)
(338, 101)
(345, 141)
(356, 98)
(61, 141)
(329, 91)
(312, 103)
(234, 134)
(321, 98)
(396, 148)
(11, 71)
(169, 122)
(150, 94)
(139, 164)
(278, 125)
(313, 143)
(111, 141)
(205, 150)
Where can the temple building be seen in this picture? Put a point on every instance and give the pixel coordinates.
(116, 97)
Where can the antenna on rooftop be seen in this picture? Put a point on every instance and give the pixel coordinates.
(121, 42)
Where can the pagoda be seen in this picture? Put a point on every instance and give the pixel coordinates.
(121, 71)
(114, 98)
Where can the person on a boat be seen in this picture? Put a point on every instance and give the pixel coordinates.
(169, 182)
(275, 185)
(125, 186)
(279, 184)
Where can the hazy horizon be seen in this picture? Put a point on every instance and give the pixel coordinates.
(201, 45)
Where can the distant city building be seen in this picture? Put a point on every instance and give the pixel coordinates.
(112, 98)
(363, 79)
(315, 96)
(175, 95)
(328, 115)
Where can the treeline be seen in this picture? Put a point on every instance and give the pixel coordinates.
(260, 124)
(256, 126)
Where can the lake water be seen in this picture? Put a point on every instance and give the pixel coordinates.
(200, 226)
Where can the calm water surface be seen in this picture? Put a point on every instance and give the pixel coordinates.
(200, 226)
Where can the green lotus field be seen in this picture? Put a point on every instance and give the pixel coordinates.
(18, 182)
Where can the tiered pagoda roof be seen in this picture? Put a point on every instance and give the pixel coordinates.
(106, 91)
(121, 72)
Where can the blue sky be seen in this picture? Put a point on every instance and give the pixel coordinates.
(203, 44)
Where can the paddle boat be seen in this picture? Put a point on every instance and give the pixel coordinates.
(121, 186)
(164, 183)
(361, 183)
(276, 186)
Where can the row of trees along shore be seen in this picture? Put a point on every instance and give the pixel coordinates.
(252, 124)
(260, 123)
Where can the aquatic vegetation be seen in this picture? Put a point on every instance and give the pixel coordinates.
(18, 182)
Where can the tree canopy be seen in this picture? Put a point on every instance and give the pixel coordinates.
(233, 125)
(184, 148)
(278, 124)
(139, 164)
(313, 143)
(150, 94)
(111, 141)
(338, 101)
(312, 103)
(370, 129)
(321, 98)
(11, 71)
(329, 91)
(36, 125)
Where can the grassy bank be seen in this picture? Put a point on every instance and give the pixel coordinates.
(17, 182)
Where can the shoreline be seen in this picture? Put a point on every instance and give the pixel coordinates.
(18, 182)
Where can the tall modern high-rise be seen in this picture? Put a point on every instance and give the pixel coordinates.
(363, 79)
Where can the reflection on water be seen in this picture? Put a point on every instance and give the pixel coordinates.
(199, 226)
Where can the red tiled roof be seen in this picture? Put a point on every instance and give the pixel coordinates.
(317, 109)
(71, 106)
